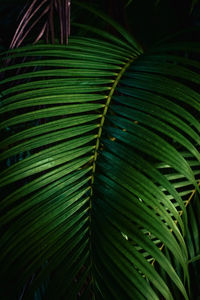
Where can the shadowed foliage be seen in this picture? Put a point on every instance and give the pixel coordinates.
(100, 169)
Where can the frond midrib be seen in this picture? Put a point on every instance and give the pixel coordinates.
(108, 101)
(99, 134)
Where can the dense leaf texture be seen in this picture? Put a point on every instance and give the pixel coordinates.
(100, 155)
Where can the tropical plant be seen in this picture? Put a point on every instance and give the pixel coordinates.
(100, 169)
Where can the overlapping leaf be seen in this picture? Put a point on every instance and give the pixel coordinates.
(100, 149)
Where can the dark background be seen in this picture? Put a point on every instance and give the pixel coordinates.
(147, 20)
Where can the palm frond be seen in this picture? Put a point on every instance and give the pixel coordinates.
(100, 152)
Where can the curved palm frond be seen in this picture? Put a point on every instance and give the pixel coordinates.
(100, 149)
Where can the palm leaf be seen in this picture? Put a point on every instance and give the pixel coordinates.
(100, 154)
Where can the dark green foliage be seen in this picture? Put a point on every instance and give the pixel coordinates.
(100, 169)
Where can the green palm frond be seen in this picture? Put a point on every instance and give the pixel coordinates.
(100, 155)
